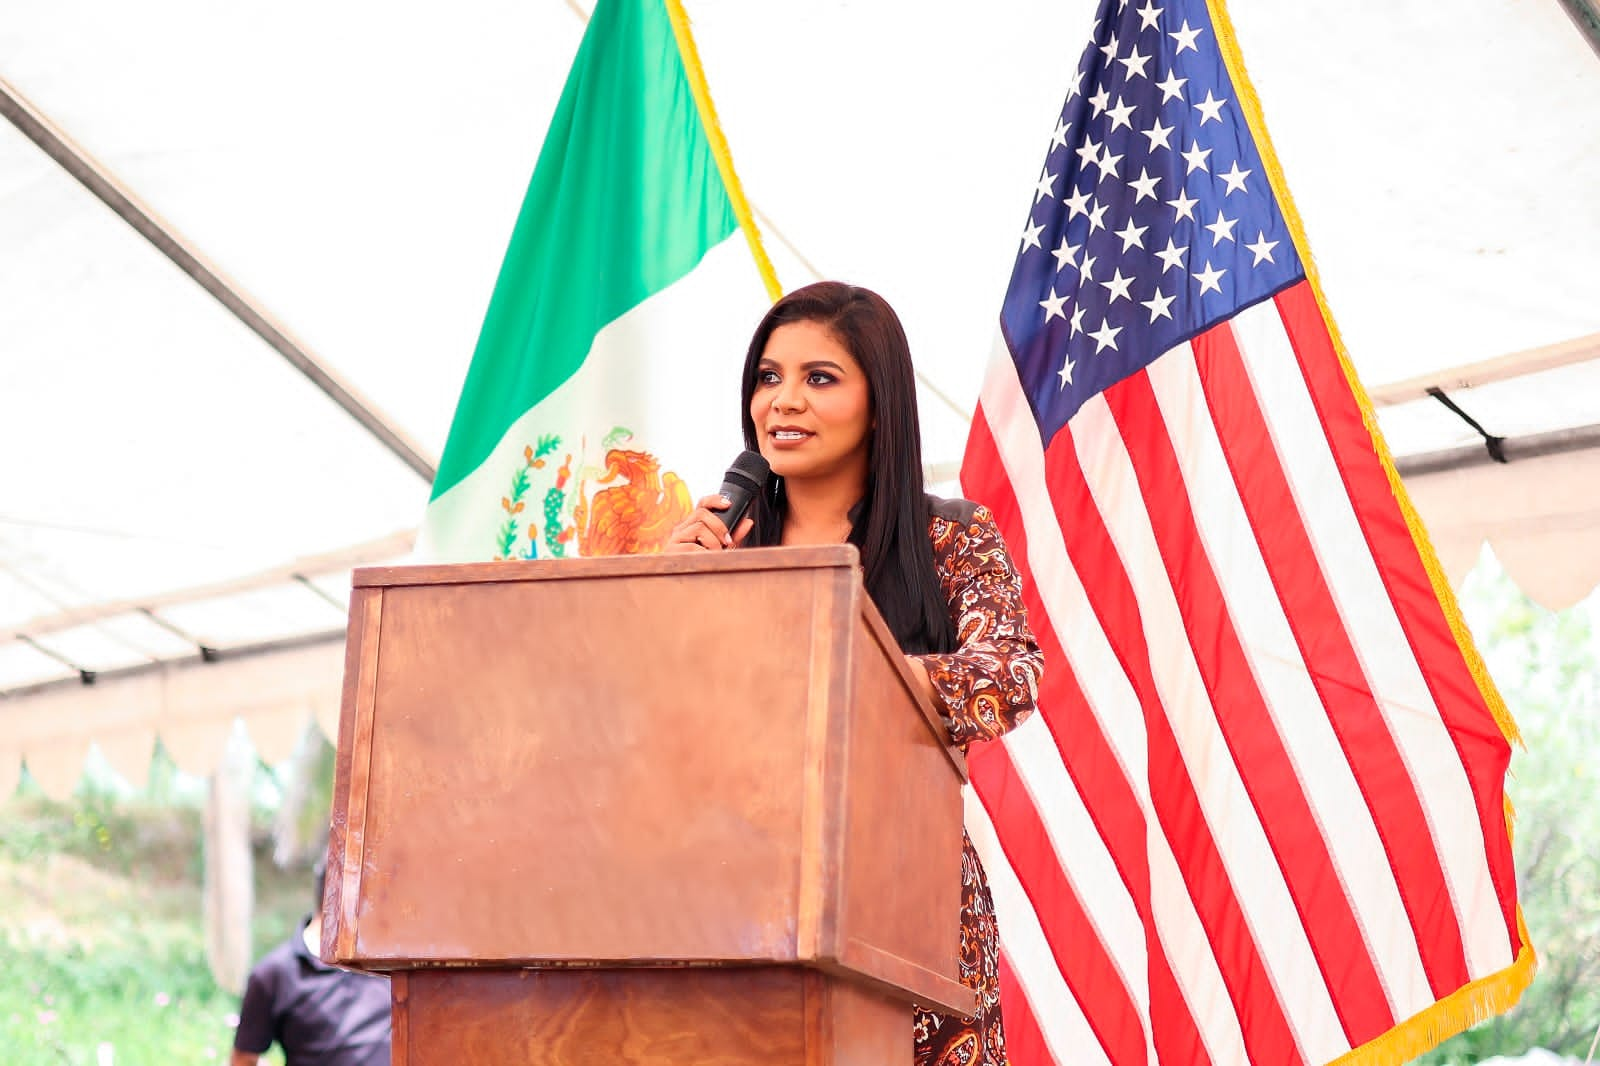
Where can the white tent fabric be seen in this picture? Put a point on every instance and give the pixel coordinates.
(171, 484)
(1542, 531)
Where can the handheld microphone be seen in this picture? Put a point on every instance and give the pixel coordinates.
(741, 485)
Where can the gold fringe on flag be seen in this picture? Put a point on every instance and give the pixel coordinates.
(1468, 1005)
(1498, 992)
(719, 145)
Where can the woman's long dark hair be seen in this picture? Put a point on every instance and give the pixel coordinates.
(890, 525)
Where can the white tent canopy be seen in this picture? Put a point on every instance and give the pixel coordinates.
(180, 506)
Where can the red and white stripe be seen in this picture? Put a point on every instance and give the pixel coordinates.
(1259, 817)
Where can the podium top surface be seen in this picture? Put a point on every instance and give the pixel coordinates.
(775, 558)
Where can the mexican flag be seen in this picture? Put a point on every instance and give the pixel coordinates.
(603, 395)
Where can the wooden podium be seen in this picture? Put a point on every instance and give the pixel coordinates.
(661, 809)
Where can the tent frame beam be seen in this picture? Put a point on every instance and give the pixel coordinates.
(120, 198)
(1532, 446)
(111, 679)
(298, 571)
(1489, 371)
(1586, 17)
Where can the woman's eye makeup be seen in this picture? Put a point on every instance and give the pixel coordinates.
(770, 376)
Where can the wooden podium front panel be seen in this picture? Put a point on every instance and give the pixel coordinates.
(533, 794)
(761, 1016)
(899, 900)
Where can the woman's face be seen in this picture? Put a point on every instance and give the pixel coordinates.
(811, 406)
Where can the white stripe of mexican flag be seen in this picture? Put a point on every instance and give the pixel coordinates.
(660, 381)
(603, 393)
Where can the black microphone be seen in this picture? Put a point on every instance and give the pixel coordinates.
(741, 485)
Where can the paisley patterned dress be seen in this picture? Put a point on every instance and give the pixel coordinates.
(985, 687)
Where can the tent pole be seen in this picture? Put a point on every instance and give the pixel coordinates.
(1532, 446)
(367, 553)
(54, 142)
(1489, 371)
(1586, 16)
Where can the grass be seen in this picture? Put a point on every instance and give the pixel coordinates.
(102, 956)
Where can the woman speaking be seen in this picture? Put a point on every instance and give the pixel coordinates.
(829, 400)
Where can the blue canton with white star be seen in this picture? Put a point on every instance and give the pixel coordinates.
(1152, 220)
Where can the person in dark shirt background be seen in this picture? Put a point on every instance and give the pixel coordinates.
(320, 1015)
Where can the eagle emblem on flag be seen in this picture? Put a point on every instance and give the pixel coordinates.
(633, 507)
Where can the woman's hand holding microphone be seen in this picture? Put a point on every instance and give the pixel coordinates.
(706, 528)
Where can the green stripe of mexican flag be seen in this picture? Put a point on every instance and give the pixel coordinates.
(603, 393)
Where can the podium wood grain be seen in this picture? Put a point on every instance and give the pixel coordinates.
(659, 766)
(710, 1017)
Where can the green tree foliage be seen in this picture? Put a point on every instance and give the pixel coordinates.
(102, 957)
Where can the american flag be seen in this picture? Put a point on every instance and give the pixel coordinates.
(1260, 817)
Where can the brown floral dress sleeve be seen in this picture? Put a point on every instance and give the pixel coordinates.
(988, 684)
(985, 687)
